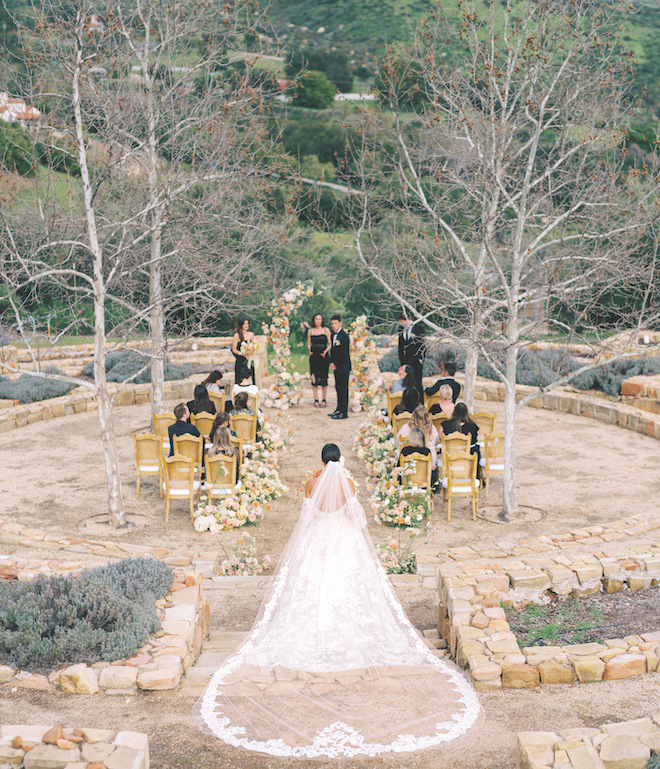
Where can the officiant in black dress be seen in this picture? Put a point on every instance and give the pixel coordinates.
(412, 348)
(340, 363)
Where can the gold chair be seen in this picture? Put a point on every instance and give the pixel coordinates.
(421, 478)
(399, 420)
(238, 442)
(460, 478)
(493, 456)
(191, 446)
(179, 482)
(431, 400)
(220, 476)
(392, 402)
(485, 421)
(245, 427)
(218, 400)
(438, 419)
(253, 402)
(452, 443)
(204, 423)
(148, 453)
(161, 423)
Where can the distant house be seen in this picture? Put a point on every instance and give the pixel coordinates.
(13, 110)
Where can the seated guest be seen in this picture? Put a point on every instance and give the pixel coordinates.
(445, 405)
(417, 445)
(201, 401)
(221, 420)
(244, 385)
(460, 422)
(222, 445)
(406, 379)
(421, 420)
(409, 401)
(213, 383)
(446, 377)
(241, 407)
(181, 426)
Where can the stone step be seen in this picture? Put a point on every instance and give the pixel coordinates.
(210, 659)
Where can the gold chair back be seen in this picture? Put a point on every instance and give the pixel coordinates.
(148, 453)
(399, 420)
(245, 427)
(190, 446)
(421, 478)
(437, 420)
(253, 402)
(431, 400)
(220, 475)
(493, 459)
(218, 400)
(485, 421)
(452, 443)
(238, 442)
(161, 423)
(179, 481)
(392, 402)
(203, 422)
(460, 480)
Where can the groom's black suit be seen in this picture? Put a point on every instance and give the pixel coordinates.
(340, 355)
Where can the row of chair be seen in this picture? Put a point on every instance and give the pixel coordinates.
(244, 425)
(393, 401)
(179, 476)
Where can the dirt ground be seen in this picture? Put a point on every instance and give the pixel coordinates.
(572, 472)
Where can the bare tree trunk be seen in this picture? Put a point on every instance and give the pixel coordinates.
(471, 361)
(510, 495)
(115, 503)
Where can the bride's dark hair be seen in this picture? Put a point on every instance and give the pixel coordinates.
(330, 453)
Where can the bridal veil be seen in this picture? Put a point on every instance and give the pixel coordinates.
(332, 666)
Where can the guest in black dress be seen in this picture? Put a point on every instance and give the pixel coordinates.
(460, 422)
(201, 401)
(409, 401)
(318, 344)
(243, 368)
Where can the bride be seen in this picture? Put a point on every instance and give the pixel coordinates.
(332, 666)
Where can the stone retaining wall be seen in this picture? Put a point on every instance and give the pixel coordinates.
(50, 747)
(159, 664)
(72, 359)
(474, 623)
(623, 745)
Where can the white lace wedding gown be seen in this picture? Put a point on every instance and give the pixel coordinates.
(332, 666)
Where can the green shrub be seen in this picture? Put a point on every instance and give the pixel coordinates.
(29, 389)
(120, 366)
(105, 614)
(609, 377)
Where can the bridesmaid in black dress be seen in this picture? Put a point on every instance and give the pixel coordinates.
(318, 344)
(242, 368)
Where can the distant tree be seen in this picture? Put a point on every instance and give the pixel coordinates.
(313, 90)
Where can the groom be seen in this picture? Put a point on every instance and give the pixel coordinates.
(340, 363)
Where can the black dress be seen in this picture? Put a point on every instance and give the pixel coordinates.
(242, 368)
(319, 364)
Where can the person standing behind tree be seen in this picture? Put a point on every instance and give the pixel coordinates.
(340, 363)
(412, 348)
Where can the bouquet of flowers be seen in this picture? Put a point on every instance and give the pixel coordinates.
(398, 557)
(250, 348)
(242, 560)
(230, 512)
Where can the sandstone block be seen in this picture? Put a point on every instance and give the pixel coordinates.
(99, 735)
(624, 752)
(10, 756)
(26, 733)
(486, 672)
(503, 646)
(585, 757)
(118, 677)
(36, 682)
(584, 649)
(638, 582)
(126, 758)
(499, 582)
(588, 572)
(535, 750)
(652, 740)
(79, 679)
(96, 752)
(528, 578)
(519, 677)
(164, 678)
(556, 673)
(44, 756)
(625, 666)
(588, 669)
(637, 728)
(53, 735)
(6, 673)
(136, 740)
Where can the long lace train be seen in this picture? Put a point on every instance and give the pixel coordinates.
(332, 666)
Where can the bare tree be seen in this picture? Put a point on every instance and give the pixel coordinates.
(168, 212)
(499, 153)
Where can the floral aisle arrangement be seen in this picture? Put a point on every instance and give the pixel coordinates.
(366, 383)
(285, 391)
(391, 503)
(399, 557)
(259, 484)
(242, 561)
